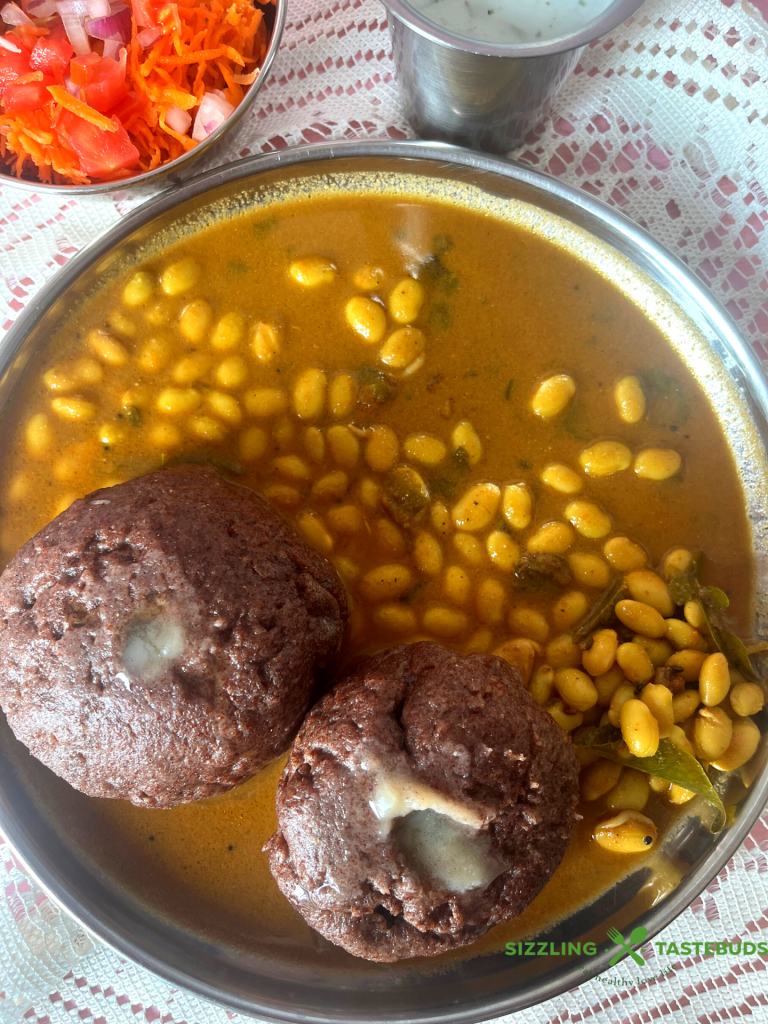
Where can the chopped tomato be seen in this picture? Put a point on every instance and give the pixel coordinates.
(144, 13)
(52, 53)
(27, 95)
(12, 66)
(133, 105)
(101, 79)
(102, 154)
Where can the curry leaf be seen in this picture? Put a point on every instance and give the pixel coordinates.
(666, 402)
(684, 586)
(670, 762)
(456, 473)
(710, 601)
(601, 612)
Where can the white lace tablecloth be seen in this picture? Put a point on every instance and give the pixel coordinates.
(666, 119)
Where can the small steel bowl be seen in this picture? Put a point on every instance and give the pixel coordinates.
(173, 173)
(53, 829)
(479, 94)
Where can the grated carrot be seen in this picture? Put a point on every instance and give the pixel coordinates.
(76, 106)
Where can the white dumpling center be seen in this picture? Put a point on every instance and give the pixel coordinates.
(152, 645)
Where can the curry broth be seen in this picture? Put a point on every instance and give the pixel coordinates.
(504, 309)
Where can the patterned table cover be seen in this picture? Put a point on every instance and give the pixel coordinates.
(665, 119)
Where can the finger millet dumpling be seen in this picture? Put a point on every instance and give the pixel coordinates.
(427, 798)
(160, 638)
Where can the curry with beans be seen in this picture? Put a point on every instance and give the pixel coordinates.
(495, 447)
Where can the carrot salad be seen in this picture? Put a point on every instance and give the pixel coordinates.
(100, 90)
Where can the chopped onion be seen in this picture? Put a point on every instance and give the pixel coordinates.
(41, 8)
(111, 48)
(99, 8)
(9, 44)
(178, 120)
(247, 79)
(148, 36)
(72, 89)
(114, 26)
(213, 111)
(12, 14)
(73, 13)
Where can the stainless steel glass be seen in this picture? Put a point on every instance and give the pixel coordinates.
(479, 94)
(48, 823)
(171, 175)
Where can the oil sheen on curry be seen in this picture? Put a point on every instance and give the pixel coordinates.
(479, 431)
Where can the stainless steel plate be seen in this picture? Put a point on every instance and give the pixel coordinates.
(270, 981)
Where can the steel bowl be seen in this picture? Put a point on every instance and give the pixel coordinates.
(172, 174)
(481, 94)
(39, 813)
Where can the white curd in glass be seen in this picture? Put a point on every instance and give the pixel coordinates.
(511, 21)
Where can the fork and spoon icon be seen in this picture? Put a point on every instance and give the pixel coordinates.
(637, 935)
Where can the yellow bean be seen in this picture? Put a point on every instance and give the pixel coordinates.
(714, 680)
(395, 618)
(180, 277)
(309, 394)
(195, 320)
(178, 401)
(604, 458)
(342, 396)
(588, 519)
(110, 434)
(252, 444)
(630, 399)
(469, 547)
(542, 685)
(441, 519)
(680, 739)
(165, 436)
(207, 428)
(607, 684)
(590, 570)
(121, 324)
(265, 402)
(282, 495)
(347, 569)
(88, 371)
(502, 550)
(228, 332)
(59, 380)
(346, 519)
(634, 663)
(657, 784)
(447, 623)
(331, 487)
(659, 700)
(628, 832)
(689, 663)
(657, 463)
(155, 354)
(366, 318)
(680, 635)
(747, 699)
(314, 531)
(569, 609)
(38, 435)
(551, 539)
(283, 431)
(641, 618)
(385, 583)
(313, 440)
(76, 410)
(427, 554)
(517, 506)
(561, 478)
(562, 652)
(659, 651)
(191, 368)
(312, 271)
(576, 688)
(292, 468)
(553, 395)
(402, 347)
(600, 657)
(389, 538)
(107, 349)
(382, 449)
(457, 586)
(479, 642)
(158, 313)
(744, 743)
(622, 693)
(521, 654)
(405, 300)
(489, 602)
(598, 779)
(694, 616)
(712, 733)
(138, 290)
(423, 448)
(630, 793)
(678, 795)
(464, 436)
(624, 554)
(368, 278)
(639, 729)
(343, 446)
(647, 586)
(529, 623)
(684, 704)
(676, 561)
(477, 509)
(370, 493)
(567, 720)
